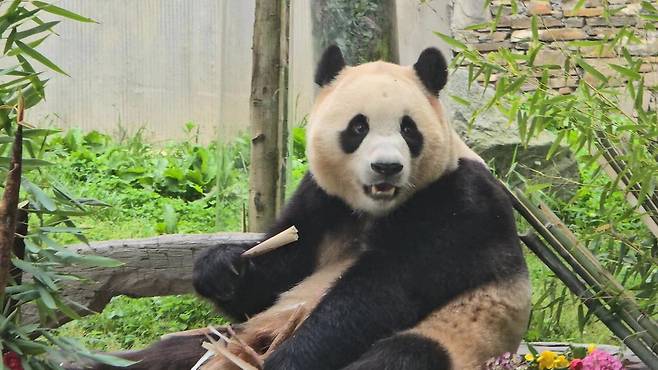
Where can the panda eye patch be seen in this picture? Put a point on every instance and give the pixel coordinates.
(359, 125)
(352, 136)
(411, 135)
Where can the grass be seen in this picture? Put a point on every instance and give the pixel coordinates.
(175, 187)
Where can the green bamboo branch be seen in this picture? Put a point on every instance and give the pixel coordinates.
(587, 267)
(590, 300)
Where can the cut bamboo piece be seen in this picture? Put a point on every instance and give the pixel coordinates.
(285, 237)
(218, 349)
(186, 333)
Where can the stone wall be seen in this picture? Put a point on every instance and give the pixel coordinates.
(560, 22)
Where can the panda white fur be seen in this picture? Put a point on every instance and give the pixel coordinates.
(408, 256)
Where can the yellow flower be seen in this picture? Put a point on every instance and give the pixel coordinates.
(561, 362)
(546, 360)
(591, 348)
(529, 357)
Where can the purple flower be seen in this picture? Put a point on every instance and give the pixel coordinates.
(506, 361)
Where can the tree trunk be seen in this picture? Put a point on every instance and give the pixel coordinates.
(364, 30)
(9, 204)
(268, 87)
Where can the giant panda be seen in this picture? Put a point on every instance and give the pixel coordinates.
(408, 255)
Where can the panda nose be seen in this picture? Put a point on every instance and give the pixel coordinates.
(386, 169)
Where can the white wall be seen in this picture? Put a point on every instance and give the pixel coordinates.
(162, 63)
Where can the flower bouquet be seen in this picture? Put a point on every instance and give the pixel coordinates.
(576, 358)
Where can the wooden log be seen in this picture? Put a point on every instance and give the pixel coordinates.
(155, 266)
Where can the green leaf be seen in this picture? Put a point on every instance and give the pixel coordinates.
(108, 359)
(451, 41)
(37, 84)
(11, 9)
(591, 70)
(170, 219)
(461, 101)
(40, 132)
(535, 30)
(47, 298)
(93, 261)
(39, 57)
(28, 163)
(556, 144)
(33, 44)
(10, 40)
(35, 30)
(627, 72)
(57, 229)
(62, 12)
(38, 194)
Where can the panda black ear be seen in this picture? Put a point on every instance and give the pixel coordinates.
(331, 63)
(432, 70)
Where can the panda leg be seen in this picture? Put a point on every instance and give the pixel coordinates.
(404, 352)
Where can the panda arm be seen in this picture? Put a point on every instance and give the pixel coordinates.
(261, 279)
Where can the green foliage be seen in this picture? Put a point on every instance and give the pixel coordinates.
(128, 323)
(50, 204)
(591, 121)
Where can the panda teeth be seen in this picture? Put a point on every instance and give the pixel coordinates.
(387, 190)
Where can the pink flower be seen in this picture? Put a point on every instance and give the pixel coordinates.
(576, 364)
(12, 360)
(601, 360)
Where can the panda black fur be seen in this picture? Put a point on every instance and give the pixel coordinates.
(435, 277)
(408, 256)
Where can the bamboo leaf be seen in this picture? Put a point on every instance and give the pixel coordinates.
(50, 8)
(461, 101)
(35, 30)
(10, 40)
(451, 41)
(535, 30)
(39, 57)
(39, 196)
(627, 72)
(591, 70)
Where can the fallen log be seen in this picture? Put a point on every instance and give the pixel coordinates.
(151, 267)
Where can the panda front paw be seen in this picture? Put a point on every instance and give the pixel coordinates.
(218, 272)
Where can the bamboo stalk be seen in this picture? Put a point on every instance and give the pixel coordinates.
(606, 279)
(590, 300)
(614, 166)
(586, 267)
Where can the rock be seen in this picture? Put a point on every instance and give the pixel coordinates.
(584, 12)
(539, 8)
(521, 35)
(576, 22)
(616, 21)
(651, 79)
(468, 12)
(562, 34)
(550, 57)
(492, 46)
(647, 46)
(498, 142)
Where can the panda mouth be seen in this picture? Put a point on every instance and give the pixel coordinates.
(381, 191)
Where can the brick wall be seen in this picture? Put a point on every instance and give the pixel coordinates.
(560, 22)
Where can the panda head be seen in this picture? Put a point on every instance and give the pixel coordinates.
(377, 132)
